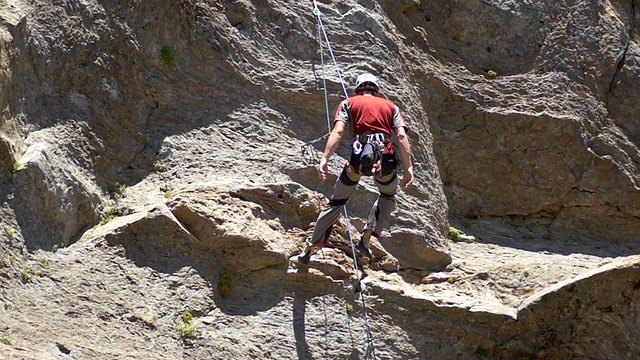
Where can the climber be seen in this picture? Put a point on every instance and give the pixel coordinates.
(373, 120)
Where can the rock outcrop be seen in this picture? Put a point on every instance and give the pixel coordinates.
(149, 150)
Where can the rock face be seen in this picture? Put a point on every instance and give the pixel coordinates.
(149, 147)
(551, 128)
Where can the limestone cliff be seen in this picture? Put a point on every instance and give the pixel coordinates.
(149, 150)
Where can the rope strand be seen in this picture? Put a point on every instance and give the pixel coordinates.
(322, 32)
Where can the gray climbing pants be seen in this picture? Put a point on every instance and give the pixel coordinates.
(379, 215)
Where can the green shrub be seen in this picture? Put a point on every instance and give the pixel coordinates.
(225, 283)
(482, 351)
(349, 308)
(454, 234)
(529, 236)
(466, 222)
(118, 190)
(187, 328)
(9, 231)
(142, 138)
(16, 166)
(156, 166)
(491, 70)
(111, 214)
(453, 279)
(168, 57)
(168, 193)
(547, 236)
(5, 341)
(24, 275)
(45, 263)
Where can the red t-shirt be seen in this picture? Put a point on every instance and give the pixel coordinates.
(369, 113)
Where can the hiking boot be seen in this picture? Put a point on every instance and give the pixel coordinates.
(311, 249)
(365, 248)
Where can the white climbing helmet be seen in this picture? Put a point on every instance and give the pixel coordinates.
(367, 81)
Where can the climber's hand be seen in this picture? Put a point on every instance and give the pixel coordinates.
(323, 169)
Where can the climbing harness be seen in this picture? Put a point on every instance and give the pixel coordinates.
(322, 34)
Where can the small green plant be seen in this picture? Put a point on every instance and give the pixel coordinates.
(24, 275)
(417, 2)
(40, 273)
(9, 231)
(453, 279)
(187, 328)
(12, 261)
(454, 234)
(118, 190)
(5, 341)
(491, 70)
(349, 308)
(168, 57)
(44, 263)
(16, 166)
(482, 351)
(168, 193)
(225, 283)
(466, 222)
(529, 236)
(142, 138)
(547, 236)
(156, 166)
(111, 214)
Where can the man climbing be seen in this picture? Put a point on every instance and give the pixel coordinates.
(373, 120)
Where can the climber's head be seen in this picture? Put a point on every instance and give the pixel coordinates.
(366, 82)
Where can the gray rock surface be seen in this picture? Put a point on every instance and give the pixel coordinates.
(148, 148)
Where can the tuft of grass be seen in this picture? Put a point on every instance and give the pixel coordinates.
(118, 190)
(142, 138)
(156, 166)
(111, 214)
(9, 231)
(40, 273)
(16, 166)
(417, 2)
(24, 275)
(529, 236)
(187, 328)
(466, 222)
(453, 279)
(168, 57)
(168, 193)
(349, 308)
(482, 351)
(44, 263)
(225, 283)
(5, 341)
(490, 70)
(454, 234)
(547, 236)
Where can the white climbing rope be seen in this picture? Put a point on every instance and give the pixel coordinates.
(323, 33)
